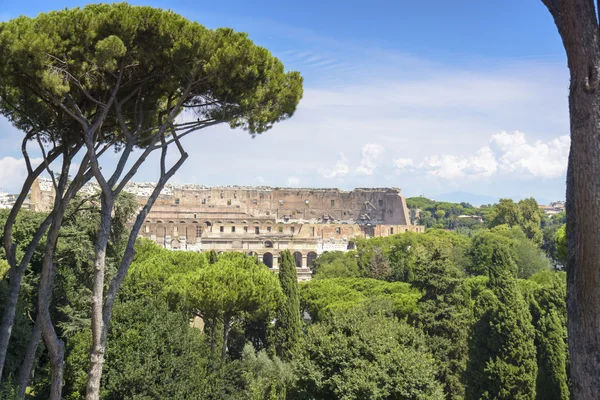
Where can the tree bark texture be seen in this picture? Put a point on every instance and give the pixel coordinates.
(25, 373)
(577, 24)
(98, 342)
(226, 329)
(17, 268)
(102, 310)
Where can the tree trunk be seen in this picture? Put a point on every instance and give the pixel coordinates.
(213, 325)
(577, 24)
(8, 314)
(29, 360)
(55, 346)
(98, 339)
(583, 233)
(226, 329)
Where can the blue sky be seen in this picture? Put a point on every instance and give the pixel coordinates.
(433, 97)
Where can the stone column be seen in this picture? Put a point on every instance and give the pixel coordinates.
(304, 260)
(275, 260)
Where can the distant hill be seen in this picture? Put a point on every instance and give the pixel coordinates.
(478, 199)
(459, 197)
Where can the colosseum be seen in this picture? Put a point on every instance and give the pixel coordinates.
(263, 221)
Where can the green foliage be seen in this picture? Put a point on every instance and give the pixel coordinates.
(336, 264)
(325, 297)
(444, 215)
(76, 53)
(502, 361)
(546, 292)
(230, 291)
(445, 317)
(505, 212)
(288, 327)
(525, 214)
(552, 381)
(423, 329)
(153, 267)
(561, 245)
(527, 256)
(152, 353)
(264, 378)
(4, 267)
(354, 355)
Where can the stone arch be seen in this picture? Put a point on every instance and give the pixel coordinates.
(298, 259)
(268, 244)
(268, 260)
(175, 244)
(310, 258)
(182, 222)
(171, 222)
(194, 222)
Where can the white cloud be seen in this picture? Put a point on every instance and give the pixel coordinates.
(13, 173)
(339, 170)
(507, 153)
(404, 164)
(539, 159)
(482, 164)
(293, 181)
(371, 157)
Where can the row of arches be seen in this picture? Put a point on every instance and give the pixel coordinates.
(267, 258)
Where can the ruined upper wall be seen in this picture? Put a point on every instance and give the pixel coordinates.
(362, 205)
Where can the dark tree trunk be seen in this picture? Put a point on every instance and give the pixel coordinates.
(29, 360)
(583, 233)
(577, 24)
(213, 325)
(226, 329)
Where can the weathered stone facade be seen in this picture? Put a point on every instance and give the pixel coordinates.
(264, 221)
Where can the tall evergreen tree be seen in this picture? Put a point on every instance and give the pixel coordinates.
(213, 257)
(288, 326)
(503, 355)
(552, 359)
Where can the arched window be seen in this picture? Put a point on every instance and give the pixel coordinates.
(351, 246)
(298, 259)
(311, 257)
(268, 260)
(269, 244)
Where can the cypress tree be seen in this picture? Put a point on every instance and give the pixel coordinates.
(288, 324)
(552, 359)
(503, 364)
(213, 257)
